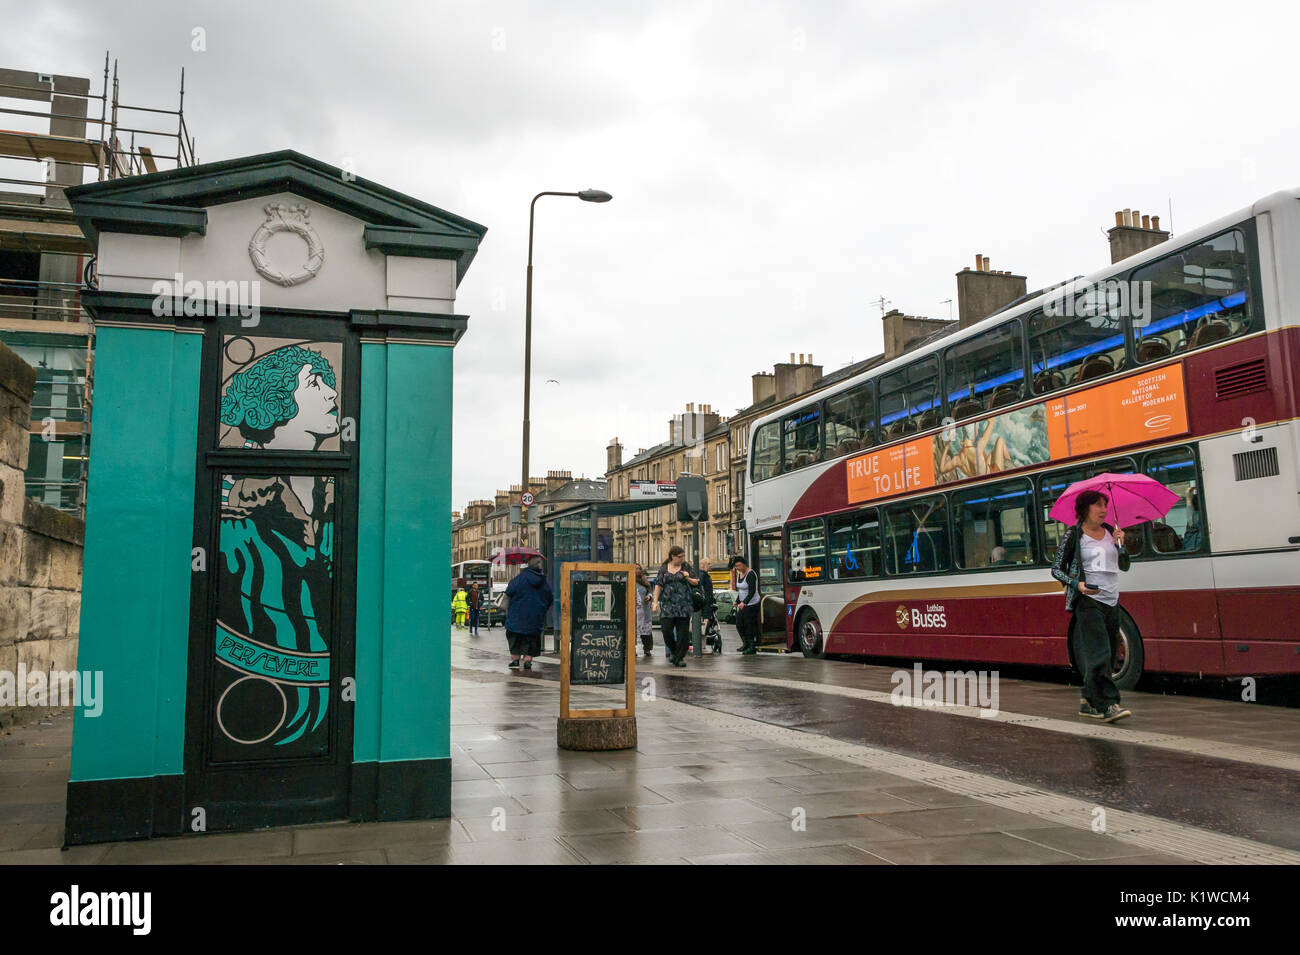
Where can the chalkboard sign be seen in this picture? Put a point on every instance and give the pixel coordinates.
(598, 632)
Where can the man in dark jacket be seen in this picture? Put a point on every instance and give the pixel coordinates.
(529, 597)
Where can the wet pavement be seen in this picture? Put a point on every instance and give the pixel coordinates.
(1239, 779)
(768, 760)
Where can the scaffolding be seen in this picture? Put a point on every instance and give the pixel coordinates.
(107, 153)
(46, 261)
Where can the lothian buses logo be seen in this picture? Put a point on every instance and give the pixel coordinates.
(933, 617)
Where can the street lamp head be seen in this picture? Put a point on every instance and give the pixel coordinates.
(594, 195)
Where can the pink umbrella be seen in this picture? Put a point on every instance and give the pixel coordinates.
(1134, 498)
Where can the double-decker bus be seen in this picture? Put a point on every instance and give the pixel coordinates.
(904, 512)
(472, 572)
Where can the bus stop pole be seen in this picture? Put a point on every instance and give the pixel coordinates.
(696, 637)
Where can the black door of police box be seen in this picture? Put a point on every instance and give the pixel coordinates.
(268, 728)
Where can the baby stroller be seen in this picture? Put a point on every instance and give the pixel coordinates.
(712, 635)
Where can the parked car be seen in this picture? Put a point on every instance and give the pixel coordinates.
(726, 600)
(490, 614)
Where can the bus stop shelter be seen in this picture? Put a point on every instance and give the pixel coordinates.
(584, 532)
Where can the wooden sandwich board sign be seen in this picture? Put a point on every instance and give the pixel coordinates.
(597, 648)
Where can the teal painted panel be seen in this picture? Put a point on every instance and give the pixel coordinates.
(139, 528)
(416, 721)
(370, 555)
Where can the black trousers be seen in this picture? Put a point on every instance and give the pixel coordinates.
(677, 636)
(1096, 627)
(747, 625)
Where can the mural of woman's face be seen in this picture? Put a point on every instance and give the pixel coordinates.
(318, 409)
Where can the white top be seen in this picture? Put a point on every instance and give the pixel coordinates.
(1101, 567)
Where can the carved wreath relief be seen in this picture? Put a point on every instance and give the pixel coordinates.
(284, 218)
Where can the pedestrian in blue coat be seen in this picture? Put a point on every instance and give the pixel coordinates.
(529, 596)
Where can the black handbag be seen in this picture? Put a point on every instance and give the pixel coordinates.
(698, 600)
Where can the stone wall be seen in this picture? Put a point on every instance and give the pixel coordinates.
(40, 554)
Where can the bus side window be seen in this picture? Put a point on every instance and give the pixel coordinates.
(849, 421)
(1193, 298)
(1179, 531)
(1069, 349)
(766, 451)
(806, 555)
(802, 437)
(855, 544)
(917, 536)
(909, 399)
(991, 525)
(985, 373)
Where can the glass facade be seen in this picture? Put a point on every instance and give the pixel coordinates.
(60, 439)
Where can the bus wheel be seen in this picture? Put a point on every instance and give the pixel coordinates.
(809, 632)
(1129, 657)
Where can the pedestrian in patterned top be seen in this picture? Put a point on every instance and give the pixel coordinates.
(672, 598)
(644, 624)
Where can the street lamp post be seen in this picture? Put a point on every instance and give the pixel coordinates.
(586, 195)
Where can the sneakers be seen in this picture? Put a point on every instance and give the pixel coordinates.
(1087, 709)
(1115, 712)
(528, 664)
(514, 664)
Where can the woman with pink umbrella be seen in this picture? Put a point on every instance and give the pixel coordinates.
(1088, 563)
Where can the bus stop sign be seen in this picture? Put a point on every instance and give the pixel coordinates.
(692, 498)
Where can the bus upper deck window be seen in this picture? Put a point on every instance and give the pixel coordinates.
(1077, 343)
(766, 451)
(802, 439)
(909, 399)
(1193, 298)
(985, 373)
(849, 424)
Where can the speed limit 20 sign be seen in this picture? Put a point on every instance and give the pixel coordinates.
(528, 498)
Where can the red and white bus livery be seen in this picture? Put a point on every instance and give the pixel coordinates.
(903, 512)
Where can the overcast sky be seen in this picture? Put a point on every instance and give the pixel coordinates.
(776, 167)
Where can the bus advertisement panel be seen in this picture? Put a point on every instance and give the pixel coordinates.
(1142, 407)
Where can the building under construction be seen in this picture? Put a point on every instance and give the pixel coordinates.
(56, 133)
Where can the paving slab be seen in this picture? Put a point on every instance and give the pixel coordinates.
(818, 832)
(986, 848)
(807, 855)
(657, 843)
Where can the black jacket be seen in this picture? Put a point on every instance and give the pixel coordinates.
(706, 585)
(530, 596)
(1068, 566)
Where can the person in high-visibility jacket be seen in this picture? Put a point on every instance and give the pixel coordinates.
(460, 604)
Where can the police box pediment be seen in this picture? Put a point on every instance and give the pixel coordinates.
(181, 202)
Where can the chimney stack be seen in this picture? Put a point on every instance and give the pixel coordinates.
(613, 456)
(982, 292)
(1134, 233)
